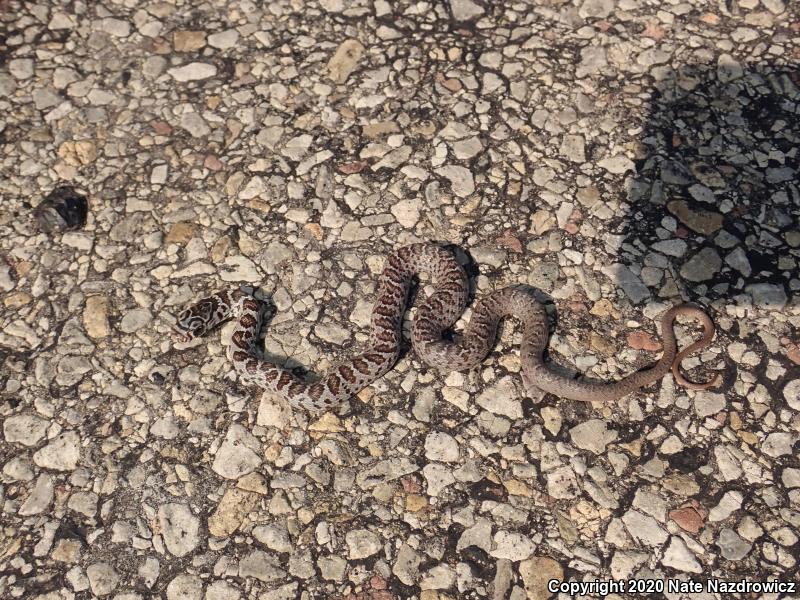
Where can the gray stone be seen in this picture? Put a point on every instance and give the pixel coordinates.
(562, 484)
(239, 454)
(40, 497)
(778, 444)
(768, 295)
(702, 266)
(195, 124)
(27, 430)
(460, 179)
(730, 502)
(103, 578)
(194, 71)
(644, 528)
(406, 565)
(135, 319)
(630, 283)
(61, 454)
(593, 435)
(222, 590)
(224, 39)
(513, 546)
(465, 10)
(599, 9)
(185, 587)
(261, 566)
(362, 543)
(438, 477)
(732, 546)
(791, 393)
(179, 528)
(709, 403)
(441, 447)
(679, 557)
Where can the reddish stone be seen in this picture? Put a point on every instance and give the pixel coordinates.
(510, 241)
(377, 582)
(690, 517)
(681, 232)
(791, 350)
(571, 228)
(213, 163)
(640, 340)
(350, 168)
(410, 484)
(161, 127)
(602, 25)
(654, 30)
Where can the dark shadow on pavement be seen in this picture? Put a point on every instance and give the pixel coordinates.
(715, 200)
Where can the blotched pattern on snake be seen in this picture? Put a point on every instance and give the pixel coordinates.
(435, 314)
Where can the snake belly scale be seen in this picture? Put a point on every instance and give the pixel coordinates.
(435, 314)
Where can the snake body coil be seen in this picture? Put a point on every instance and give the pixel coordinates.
(436, 313)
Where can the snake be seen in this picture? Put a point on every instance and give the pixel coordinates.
(435, 316)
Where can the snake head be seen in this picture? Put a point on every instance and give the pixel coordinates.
(194, 321)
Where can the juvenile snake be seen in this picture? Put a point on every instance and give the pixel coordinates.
(435, 314)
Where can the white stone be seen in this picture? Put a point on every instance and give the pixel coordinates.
(407, 212)
(438, 477)
(362, 543)
(103, 578)
(61, 454)
(592, 435)
(644, 528)
(678, 556)
(460, 179)
(441, 447)
(194, 71)
(502, 398)
(778, 444)
(224, 39)
(617, 165)
(512, 546)
(239, 454)
(239, 268)
(179, 528)
(27, 430)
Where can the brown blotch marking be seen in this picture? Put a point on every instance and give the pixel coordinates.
(361, 366)
(284, 380)
(270, 372)
(333, 383)
(248, 321)
(374, 358)
(346, 373)
(252, 367)
(240, 356)
(296, 388)
(315, 391)
(238, 339)
(384, 311)
(385, 348)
